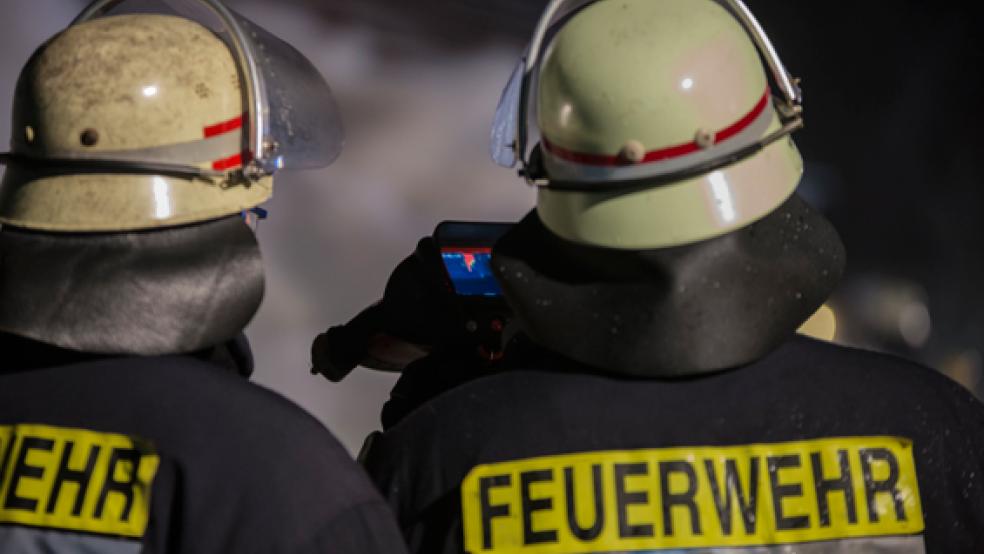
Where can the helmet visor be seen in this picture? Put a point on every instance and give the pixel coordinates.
(294, 121)
(506, 124)
(509, 131)
(301, 120)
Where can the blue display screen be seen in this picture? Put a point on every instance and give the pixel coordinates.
(470, 270)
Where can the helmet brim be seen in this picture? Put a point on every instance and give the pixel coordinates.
(680, 213)
(48, 200)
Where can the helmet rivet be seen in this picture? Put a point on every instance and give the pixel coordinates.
(29, 134)
(633, 152)
(89, 137)
(704, 139)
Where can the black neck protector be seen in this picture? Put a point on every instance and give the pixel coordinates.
(703, 307)
(170, 291)
(21, 354)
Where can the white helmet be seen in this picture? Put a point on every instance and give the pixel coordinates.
(656, 122)
(130, 121)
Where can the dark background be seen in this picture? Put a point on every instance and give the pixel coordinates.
(893, 108)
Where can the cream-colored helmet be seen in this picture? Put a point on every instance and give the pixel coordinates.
(130, 121)
(656, 121)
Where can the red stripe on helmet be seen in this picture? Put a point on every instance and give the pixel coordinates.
(224, 127)
(228, 163)
(745, 122)
(663, 153)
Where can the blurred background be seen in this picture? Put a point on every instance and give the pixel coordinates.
(894, 138)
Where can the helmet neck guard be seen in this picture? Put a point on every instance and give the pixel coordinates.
(169, 291)
(672, 312)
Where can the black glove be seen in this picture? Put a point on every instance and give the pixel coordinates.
(417, 314)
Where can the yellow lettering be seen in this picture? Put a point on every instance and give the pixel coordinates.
(75, 480)
(702, 497)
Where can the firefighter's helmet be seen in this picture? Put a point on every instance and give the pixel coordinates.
(129, 121)
(656, 122)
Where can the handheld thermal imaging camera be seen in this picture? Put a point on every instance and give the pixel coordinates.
(466, 256)
(444, 295)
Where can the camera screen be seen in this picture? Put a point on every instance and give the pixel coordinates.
(470, 270)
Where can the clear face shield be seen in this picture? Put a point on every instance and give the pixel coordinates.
(291, 122)
(512, 128)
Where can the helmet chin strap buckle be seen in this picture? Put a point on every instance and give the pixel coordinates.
(533, 170)
(789, 111)
(534, 179)
(253, 171)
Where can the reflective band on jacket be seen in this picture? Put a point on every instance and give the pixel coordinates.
(703, 497)
(75, 480)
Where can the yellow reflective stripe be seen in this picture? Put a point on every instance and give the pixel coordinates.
(750, 495)
(75, 480)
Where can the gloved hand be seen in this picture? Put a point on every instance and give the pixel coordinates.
(418, 313)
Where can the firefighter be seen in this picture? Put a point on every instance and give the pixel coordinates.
(658, 398)
(127, 274)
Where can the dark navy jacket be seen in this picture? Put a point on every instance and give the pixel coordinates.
(170, 455)
(814, 448)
